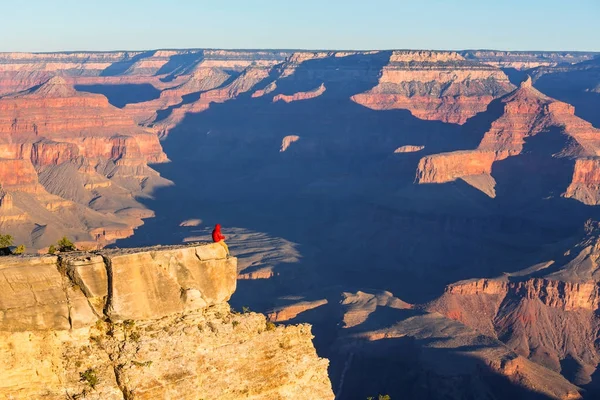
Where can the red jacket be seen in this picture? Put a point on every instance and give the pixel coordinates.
(217, 236)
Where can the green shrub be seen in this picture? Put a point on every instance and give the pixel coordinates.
(89, 377)
(245, 310)
(128, 324)
(142, 364)
(51, 249)
(65, 245)
(135, 336)
(20, 249)
(6, 240)
(270, 326)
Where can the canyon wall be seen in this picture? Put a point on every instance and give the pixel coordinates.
(441, 86)
(526, 113)
(69, 153)
(546, 313)
(145, 323)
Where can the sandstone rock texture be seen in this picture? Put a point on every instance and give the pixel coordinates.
(301, 95)
(548, 318)
(148, 323)
(432, 85)
(65, 153)
(526, 113)
(437, 351)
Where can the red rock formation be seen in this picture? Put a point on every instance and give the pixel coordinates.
(300, 95)
(47, 152)
(62, 149)
(289, 312)
(541, 319)
(446, 167)
(527, 112)
(203, 79)
(585, 185)
(546, 319)
(439, 86)
(242, 84)
(56, 110)
(18, 175)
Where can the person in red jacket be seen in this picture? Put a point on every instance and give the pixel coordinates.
(218, 237)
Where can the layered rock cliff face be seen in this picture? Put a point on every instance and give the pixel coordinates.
(149, 323)
(440, 86)
(432, 85)
(444, 354)
(522, 60)
(547, 313)
(526, 113)
(385, 345)
(74, 162)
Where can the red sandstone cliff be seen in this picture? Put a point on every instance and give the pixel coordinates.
(527, 113)
(436, 86)
(549, 319)
(65, 150)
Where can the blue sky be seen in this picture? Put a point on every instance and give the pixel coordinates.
(45, 25)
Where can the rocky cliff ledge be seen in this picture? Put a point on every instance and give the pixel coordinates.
(150, 323)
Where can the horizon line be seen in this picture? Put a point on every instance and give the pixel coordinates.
(294, 50)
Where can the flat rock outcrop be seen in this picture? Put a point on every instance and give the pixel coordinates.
(144, 323)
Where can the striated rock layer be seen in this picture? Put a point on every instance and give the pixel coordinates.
(432, 85)
(521, 60)
(75, 163)
(550, 318)
(527, 113)
(146, 324)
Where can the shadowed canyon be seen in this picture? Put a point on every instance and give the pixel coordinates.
(432, 214)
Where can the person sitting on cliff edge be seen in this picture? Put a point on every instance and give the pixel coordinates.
(218, 237)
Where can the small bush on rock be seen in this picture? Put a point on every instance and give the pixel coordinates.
(89, 377)
(65, 245)
(6, 240)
